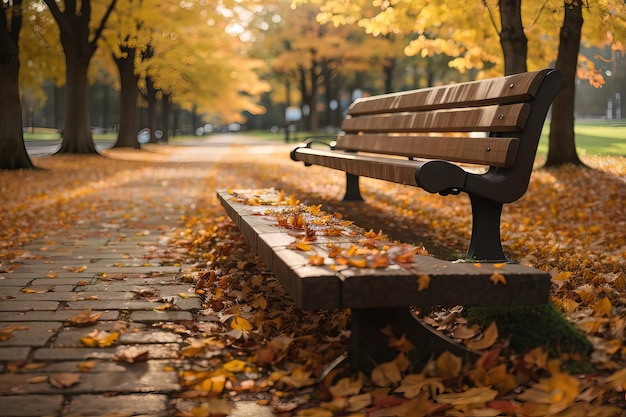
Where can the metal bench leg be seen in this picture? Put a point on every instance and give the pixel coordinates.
(485, 244)
(353, 192)
(369, 346)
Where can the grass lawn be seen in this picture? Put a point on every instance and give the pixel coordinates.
(595, 137)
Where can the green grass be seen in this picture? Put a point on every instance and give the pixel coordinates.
(594, 137)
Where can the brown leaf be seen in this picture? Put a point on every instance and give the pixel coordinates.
(85, 317)
(64, 380)
(490, 336)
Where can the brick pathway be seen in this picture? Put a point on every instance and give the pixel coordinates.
(110, 264)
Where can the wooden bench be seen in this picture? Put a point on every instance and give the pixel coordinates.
(413, 124)
(479, 138)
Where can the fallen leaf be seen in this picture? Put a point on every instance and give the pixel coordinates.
(448, 365)
(497, 278)
(490, 336)
(85, 317)
(6, 333)
(423, 282)
(64, 380)
(239, 323)
(37, 379)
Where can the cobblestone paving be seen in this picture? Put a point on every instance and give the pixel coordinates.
(106, 264)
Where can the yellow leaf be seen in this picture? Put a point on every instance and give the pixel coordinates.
(603, 307)
(570, 305)
(489, 338)
(497, 277)
(346, 387)
(239, 323)
(448, 365)
(563, 276)
(386, 374)
(235, 366)
(100, 338)
(163, 307)
(557, 392)
(305, 247)
(617, 381)
(423, 282)
(212, 384)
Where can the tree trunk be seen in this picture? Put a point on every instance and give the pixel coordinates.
(77, 137)
(389, 66)
(512, 38)
(129, 91)
(166, 107)
(151, 99)
(75, 28)
(13, 153)
(562, 146)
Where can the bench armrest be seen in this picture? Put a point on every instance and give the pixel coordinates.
(308, 143)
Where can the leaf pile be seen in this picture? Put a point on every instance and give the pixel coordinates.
(253, 344)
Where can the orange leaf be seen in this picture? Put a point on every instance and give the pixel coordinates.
(423, 282)
(497, 278)
(305, 247)
(239, 323)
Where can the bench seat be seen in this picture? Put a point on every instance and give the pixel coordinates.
(322, 287)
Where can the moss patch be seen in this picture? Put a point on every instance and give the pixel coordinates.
(532, 326)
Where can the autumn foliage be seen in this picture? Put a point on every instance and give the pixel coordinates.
(254, 344)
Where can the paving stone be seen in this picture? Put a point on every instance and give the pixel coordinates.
(34, 333)
(72, 296)
(73, 354)
(154, 351)
(61, 315)
(70, 336)
(14, 354)
(17, 305)
(58, 281)
(31, 405)
(115, 305)
(7, 292)
(150, 316)
(9, 281)
(150, 337)
(123, 405)
(136, 379)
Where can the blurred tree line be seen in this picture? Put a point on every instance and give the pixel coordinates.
(130, 64)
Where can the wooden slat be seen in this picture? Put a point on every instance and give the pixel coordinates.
(498, 152)
(510, 89)
(508, 118)
(394, 170)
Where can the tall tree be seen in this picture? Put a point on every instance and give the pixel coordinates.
(13, 153)
(562, 146)
(79, 45)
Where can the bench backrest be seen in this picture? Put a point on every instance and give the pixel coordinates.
(440, 122)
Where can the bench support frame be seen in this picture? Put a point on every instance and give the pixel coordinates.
(353, 190)
(486, 243)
